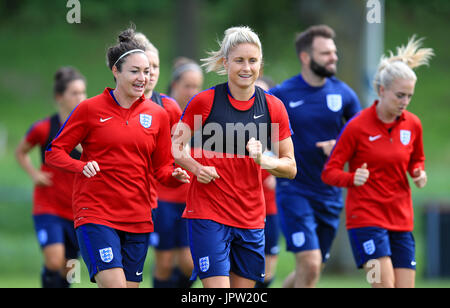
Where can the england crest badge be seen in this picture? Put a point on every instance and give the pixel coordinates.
(298, 239)
(145, 120)
(334, 102)
(106, 254)
(405, 136)
(204, 263)
(369, 247)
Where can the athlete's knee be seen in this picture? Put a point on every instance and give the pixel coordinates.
(54, 257)
(309, 266)
(186, 265)
(163, 268)
(55, 262)
(311, 270)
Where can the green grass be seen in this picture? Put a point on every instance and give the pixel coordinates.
(32, 54)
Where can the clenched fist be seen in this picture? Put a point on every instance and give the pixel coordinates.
(361, 175)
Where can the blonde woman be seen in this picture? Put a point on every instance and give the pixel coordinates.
(382, 144)
(225, 205)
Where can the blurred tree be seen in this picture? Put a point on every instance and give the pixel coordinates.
(187, 14)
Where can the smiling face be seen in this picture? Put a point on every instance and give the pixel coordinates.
(134, 75)
(243, 65)
(395, 98)
(323, 57)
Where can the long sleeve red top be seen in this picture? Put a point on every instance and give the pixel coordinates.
(130, 146)
(389, 151)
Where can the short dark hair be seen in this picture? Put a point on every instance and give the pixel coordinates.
(305, 39)
(63, 77)
(126, 42)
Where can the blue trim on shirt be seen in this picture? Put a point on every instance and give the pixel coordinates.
(49, 147)
(114, 98)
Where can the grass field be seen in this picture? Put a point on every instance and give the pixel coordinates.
(26, 87)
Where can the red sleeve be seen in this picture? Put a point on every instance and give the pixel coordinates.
(71, 134)
(162, 159)
(173, 110)
(333, 172)
(198, 108)
(418, 155)
(278, 115)
(38, 133)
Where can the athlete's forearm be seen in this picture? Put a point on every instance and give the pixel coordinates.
(184, 159)
(60, 159)
(284, 167)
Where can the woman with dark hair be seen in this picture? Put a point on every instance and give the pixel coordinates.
(186, 82)
(126, 142)
(52, 198)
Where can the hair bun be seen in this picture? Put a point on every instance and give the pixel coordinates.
(126, 36)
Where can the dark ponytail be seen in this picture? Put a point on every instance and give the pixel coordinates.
(126, 41)
(63, 77)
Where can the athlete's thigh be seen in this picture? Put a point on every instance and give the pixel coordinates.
(210, 248)
(403, 250)
(327, 215)
(369, 243)
(100, 248)
(134, 252)
(49, 229)
(272, 235)
(297, 222)
(247, 254)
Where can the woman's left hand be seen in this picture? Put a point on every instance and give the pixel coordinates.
(181, 175)
(254, 148)
(419, 177)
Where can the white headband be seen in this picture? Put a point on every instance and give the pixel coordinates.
(190, 66)
(127, 53)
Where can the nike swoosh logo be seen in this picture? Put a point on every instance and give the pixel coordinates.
(138, 274)
(257, 117)
(296, 104)
(104, 120)
(373, 138)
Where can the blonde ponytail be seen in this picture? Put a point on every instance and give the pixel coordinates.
(401, 65)
(233, 37)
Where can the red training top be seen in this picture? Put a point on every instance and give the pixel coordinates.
(236, 198)
(389, 151)
(130, 146)
(170, 194)
(57, 198)
(269, 195)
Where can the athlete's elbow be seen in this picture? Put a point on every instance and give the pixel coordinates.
(291, 171)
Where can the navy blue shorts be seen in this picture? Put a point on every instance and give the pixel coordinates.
(170, 228)
(218, 249)
(272, 234)
(104, 248)
(307, 223)
(52, 229)
(372, 243)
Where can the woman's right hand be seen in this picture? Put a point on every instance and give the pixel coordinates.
(90, 169)
(207, 174)
(41, 178)
(361, 175)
